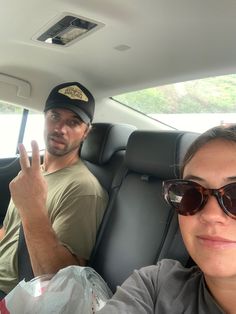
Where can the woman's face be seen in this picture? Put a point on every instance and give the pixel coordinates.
(210, 235)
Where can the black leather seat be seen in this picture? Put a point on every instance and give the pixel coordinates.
(139, 228)
(9, 168)
(103, 151)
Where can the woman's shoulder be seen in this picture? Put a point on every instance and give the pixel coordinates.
(169, 267)
(169, 276)
(176, 287)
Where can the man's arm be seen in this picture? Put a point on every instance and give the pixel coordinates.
(2, 233)
(29, 194)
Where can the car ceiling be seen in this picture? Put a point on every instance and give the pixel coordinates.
(167, 41)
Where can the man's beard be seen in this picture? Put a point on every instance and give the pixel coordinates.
(59, 152)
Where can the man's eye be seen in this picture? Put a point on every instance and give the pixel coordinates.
(73, 123)
(54, 117)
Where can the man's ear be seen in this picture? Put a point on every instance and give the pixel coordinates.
(89, 127)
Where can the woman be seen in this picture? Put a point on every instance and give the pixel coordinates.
(205, 199)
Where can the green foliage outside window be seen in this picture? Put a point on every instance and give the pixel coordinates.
(211, 95)
(9, 109)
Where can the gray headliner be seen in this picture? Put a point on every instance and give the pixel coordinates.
(170, 41)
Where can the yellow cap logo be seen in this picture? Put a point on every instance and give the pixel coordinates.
(73, 92)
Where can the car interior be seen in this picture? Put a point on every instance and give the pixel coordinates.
(113, 48)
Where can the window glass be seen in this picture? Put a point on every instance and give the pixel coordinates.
(194, 105)
(34, 130)
(10, 124)
(10, 121)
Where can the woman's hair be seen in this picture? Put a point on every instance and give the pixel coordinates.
(227, 133)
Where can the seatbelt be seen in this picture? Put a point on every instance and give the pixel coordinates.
(24, 265)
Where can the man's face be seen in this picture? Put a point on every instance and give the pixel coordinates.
(63, 132)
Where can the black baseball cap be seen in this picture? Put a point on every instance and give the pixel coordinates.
(73, 96)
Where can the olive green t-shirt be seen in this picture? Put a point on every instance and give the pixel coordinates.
(76, 203)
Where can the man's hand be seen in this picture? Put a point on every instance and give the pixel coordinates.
(29, 194)
(2, 233)
(29, 188)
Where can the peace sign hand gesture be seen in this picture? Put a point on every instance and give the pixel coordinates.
(29, 188)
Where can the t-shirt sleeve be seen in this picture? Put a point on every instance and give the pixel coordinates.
(137, 294)
(8, 214)
(76, 221)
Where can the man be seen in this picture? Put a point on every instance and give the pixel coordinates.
(60, 204)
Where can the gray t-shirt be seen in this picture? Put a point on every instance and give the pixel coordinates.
(167, 287)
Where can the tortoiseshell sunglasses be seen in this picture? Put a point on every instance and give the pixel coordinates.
(189, 197)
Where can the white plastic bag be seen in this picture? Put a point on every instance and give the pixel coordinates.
(73, 289)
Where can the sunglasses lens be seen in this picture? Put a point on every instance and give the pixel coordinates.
(187, 199)
(229, 199)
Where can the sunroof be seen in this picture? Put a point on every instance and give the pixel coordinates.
(68, 29)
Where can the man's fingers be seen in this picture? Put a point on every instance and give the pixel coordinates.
(24, 159)
(35, 155)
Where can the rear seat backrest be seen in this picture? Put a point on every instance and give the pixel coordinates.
(139, 228)
(104, 149)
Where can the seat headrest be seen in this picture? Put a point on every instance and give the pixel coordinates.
(158, 153)
(104, 140)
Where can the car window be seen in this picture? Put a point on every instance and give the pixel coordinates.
(16, 126)
(34, 130)
(192, 106)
